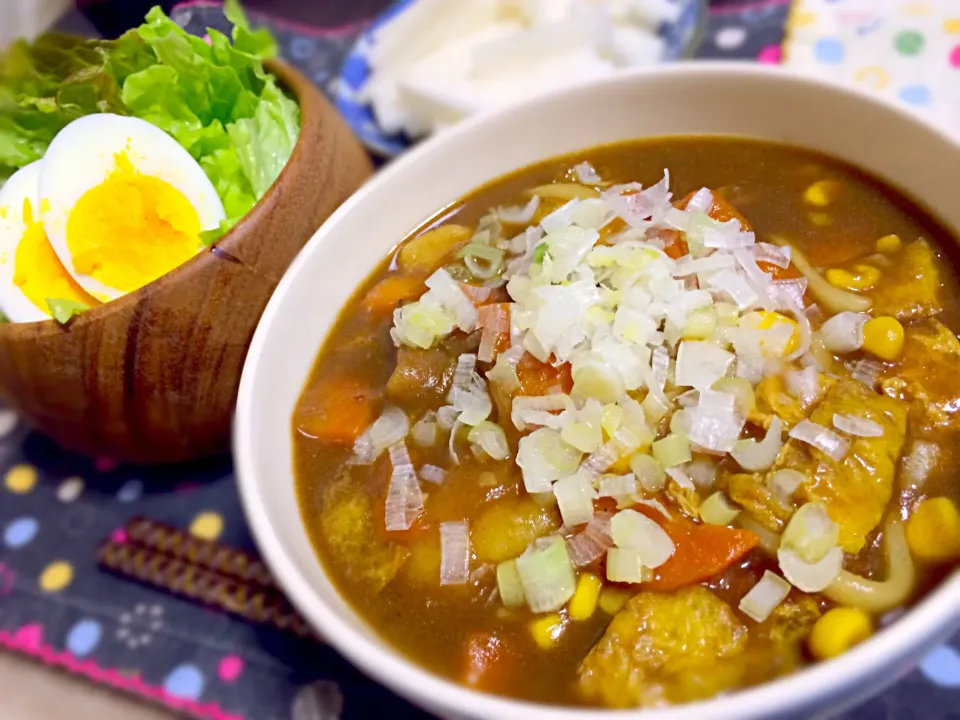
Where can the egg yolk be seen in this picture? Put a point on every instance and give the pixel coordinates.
(131, 229)
(37, 270)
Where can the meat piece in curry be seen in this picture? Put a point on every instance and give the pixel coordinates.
(604, 435)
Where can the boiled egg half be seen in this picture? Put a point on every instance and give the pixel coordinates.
(123, 203)
(30, 271)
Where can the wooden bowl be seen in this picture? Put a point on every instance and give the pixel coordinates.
(152, 376)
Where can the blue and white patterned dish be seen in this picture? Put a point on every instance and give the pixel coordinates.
(681, 40)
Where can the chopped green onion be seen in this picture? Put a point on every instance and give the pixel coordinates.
(586, 432)
(625, 565)
(654, 408)
(633, 431)
(547, 577)
(700, 324)
(596, 380)
(543, 457)
(672, 450)
(630, 529)
(509, 585)
(811, 533)
(754, 456)
(539, 253)
(810, 577)
(648, 472)
(727, 313)
(612, 418)
(742, 390)
(717, 510)
(680, 422)
(783, 483)
(490, 438)
(763, 598)
(575, 495)
(483, 261)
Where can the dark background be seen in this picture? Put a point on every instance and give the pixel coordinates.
(113, 17)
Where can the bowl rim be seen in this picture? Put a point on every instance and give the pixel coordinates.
(308, 100)
(919, 628)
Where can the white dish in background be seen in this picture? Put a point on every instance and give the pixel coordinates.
(704, 98)
(427, 64)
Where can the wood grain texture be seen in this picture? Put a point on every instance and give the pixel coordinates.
(152, 376)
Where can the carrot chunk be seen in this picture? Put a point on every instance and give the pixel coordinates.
(478, 295)
(336, 410)
(721, 211)
(702, 551)
(494, 317)
(384, 297)
(675, 246)
(489, 662)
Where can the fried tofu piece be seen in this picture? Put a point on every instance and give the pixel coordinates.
(856, 489)
(421, 376)
(925, 377)
(911, 290)
(774, 399)
(663, 648)
(791, 621)
(749, 492)
(347, 513)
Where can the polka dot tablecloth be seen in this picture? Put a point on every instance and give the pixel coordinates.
(56, 508)
(906, 50)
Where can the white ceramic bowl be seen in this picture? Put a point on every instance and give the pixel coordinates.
(730, 99)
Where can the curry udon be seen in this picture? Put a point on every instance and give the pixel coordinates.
(604, 434)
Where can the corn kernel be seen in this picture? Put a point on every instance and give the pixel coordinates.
(883, 337)
(819, 219)
(889, 244)
(584, 601)
(612, 600)
(838, 630)
(933, 530)
(865, 277)
(620, 467)
(546, 630)
(821, 193)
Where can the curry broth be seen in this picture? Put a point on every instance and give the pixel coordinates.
(434, 625)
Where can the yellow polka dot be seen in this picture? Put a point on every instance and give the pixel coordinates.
(56, 576)
(917, 8)
(207, 526)
(802, 18)
(875, 77)
(952, 26)
(21, 479)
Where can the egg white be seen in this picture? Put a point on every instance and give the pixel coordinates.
(22, 185)
(83, 155)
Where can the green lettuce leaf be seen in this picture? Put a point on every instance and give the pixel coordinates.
(227, 174)
(257, 43)
(265, 142)
(65, 310)
(58, 78)
(154, 95)
(214, 97)
(211, 91)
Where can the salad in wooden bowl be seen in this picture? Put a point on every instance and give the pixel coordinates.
(157, 186)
